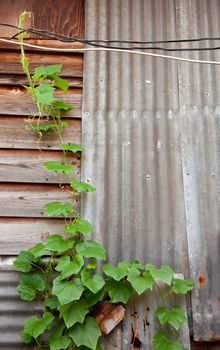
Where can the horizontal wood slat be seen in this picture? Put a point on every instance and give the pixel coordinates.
(72, 65)
(14, 133)
(22, 200)
(27, 166)
(22, 233)
(64, 17)
(42, 42)
(17, 101)
(17, 80)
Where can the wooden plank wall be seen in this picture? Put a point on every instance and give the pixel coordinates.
(25, 186)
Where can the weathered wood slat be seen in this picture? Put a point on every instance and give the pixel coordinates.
(41, 42)
(15, 133)
(72, 65)
(64, 17)
(18, 80)
(22, 233)
(17, 101)
(27, 166)
(22, 200)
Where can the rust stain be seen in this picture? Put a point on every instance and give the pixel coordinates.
(216, 339)
(202, 280)
(218, 299)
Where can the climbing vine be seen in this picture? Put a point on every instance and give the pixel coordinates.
(61, 271)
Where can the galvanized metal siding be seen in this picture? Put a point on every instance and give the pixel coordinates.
(131, 130)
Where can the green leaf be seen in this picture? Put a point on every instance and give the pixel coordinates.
(73, 267)
(91, 249)
(140, 282)
(54, 165)
(60, 343)
(164, 274)
(44, 93)
(71, 147)
(56, 243)
(43, 127)
(62, 262)
(38, 250)
(79, 225)
(181, 286)
(29, 89)
(119, 292)
(56, 335)
(48, 318)
(73, 312)
(45, 71)
(51, 302)
(67, 291)
(91, 298)
(175, 317)
(81, 186)
(26, 337)
(34, 327)
(94, 284)
(58, 209)
(29, 285)
(86, 334)
(60, 83)
(62, 105)
(23, 262)
(118, 272)
(161, 342)
(137, 264)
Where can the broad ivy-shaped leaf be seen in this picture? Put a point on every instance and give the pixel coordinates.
(137, 264)
(94, 284)
(44, 93)
(45, 71)
(33, 327)
(57, 340)
(164, 274)
(26, 338)
(43, 127)
(175, 317)
(58, 209)
(73, 267)
(62, 262)
(140, 282)
(56, 166)
(119, 292)
(79, 225)
(59, 82)
(51, 302)
(67, 291)
(23, 262)
(86, 334)
(91, 249)
(91, 298)
(161, 342)
(73, 312)
(59, 105)
(71, 147)
(181, 286)
(117, 272)
(81, 186)
(56, 243)
(48, 319)
(38, 250)
(30, 285)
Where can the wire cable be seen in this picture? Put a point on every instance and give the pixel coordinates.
(95, 43)
(149, 54)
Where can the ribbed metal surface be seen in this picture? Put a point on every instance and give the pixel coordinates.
(131, 130)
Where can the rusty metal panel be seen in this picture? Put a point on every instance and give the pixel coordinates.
(199, 93)
(131, 130)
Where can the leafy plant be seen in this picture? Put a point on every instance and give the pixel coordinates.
(61, 271)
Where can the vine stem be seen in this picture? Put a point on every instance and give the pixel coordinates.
(162, 295)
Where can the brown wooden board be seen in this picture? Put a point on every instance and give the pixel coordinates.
(17, 101)
(65, 17)
(23, 200)
(17, 80)
(42, 42)
(27, 166)
(22, 233)
(15, 133)
(72, 65)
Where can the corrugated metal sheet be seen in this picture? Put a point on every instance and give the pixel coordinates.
(131, 130)
(199, 93)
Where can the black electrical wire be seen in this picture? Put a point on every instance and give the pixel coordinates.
(68, 39)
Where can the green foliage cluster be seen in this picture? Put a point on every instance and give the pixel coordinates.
(61, 271)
